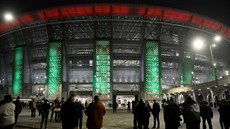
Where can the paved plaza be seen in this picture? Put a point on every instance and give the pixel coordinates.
(119, 120)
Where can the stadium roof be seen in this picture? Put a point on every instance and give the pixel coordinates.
(216, 14)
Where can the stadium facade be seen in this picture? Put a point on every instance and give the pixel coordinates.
(109, 50)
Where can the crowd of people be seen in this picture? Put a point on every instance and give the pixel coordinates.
(191, 112)
(71, 112)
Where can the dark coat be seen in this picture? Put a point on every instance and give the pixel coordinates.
(156, 109)
(95, 113)
(142, 112)
(172, 116)
(68, 115)
(206, 111)
(18, 106)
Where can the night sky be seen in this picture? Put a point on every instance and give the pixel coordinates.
(216, 9)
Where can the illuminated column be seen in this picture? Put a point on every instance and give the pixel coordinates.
(17, 71)
(187, 69)
(152, 78)
(212, 74)
(54, 70)
(102, 75)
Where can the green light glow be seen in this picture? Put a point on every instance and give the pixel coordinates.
(152, 71)
(212, 75)
(102, 69)
(187, 69)
(54, 70)
(17, 71)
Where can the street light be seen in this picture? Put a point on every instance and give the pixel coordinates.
(199, 43)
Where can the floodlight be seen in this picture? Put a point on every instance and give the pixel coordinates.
(198, 44)
(213, 45)
(8, 16)
(217, 38)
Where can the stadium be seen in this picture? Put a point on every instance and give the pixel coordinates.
(116, 51)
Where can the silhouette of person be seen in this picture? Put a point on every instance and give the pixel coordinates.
(95, 113)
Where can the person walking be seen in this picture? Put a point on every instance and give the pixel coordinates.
(68, 114)
(7, 112)
(142, 114)
(18, 108)
(206, 114)
(172, 115)
(95, 113)
(45, 112)
(155, 112)
(79, 109)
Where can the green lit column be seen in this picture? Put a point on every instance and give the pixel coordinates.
(152, 78)
(187, 69)
(17, 71)
(102, 85)
(54, 70)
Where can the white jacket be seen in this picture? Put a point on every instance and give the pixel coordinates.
(7, 114)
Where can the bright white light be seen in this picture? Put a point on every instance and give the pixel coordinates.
(213, 45)
(8, 16)
(41, 89)
(37, 77)
(198, 44)
(226, 73)
(214, 64)
(217, 38)
(192, 72)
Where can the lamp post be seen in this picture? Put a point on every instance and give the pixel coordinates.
(213, 65)
(199, 43)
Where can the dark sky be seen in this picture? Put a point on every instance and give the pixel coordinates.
(215, 9)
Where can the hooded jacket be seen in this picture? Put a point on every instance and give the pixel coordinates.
(95, 113)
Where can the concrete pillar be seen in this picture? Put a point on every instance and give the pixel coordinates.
(194, 95)
(212, 97)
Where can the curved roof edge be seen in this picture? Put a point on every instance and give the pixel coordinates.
(155, 13)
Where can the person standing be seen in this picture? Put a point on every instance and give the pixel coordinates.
(18, 108)
(68, 114)
(149, 110)
(79, 108)
(206, 114)
(55, 104)
(155, 112)
(129, 107)
(7, 112)
(172, 115)
(95, 113)
(142, 114)
(134, 104)
(191, 114)
(220, 110)
(33, 105)
(115, 107)
(45, 112)
(226, 114)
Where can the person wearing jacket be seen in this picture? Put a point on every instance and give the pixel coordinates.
(155, 112)
(18, 108)
(7, 118)
(68, 114)
(142, 113)
(95, 113)
(206, 114)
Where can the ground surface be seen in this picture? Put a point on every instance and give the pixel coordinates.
(119, 120)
